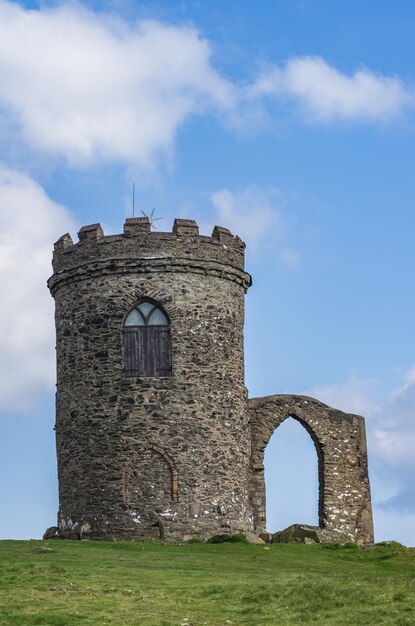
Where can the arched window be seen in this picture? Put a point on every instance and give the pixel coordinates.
(146, 341)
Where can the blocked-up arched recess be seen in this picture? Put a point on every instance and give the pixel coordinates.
(291, 477)
(151, 477)
(340, 441)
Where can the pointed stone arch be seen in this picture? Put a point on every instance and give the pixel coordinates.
(129, 467)
(340, 441)
(293, 463)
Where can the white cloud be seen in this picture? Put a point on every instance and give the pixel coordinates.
(409, 378)
(355, 395)
(248, 213)
(391, 420)
(86, 85)
(253, 213)
(394, 435)
(29, 222)
(327, 94)
(396, 446)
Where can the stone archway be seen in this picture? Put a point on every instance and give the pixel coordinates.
(340, 441)
(291, 474)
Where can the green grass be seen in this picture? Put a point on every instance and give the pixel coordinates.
(152, 584)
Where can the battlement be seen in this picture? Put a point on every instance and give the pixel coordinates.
(138, 245)
(139, 241)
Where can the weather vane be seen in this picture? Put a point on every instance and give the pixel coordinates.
(152, 219)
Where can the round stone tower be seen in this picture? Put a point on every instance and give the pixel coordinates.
(151, 422)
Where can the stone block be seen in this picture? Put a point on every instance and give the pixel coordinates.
(137, 226)
(185, 228)
(90, 232)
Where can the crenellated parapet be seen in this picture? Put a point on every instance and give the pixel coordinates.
(139, 248)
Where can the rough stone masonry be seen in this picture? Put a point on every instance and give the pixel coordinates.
(156, 436)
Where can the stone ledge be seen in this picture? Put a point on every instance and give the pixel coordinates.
(148, 264)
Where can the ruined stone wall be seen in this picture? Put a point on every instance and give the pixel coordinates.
(165, 456)
(340, 441)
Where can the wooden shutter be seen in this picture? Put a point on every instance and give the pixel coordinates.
(146, 351)
(158, 346)
(133, 351)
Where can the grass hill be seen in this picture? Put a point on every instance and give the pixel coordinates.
(65, 583)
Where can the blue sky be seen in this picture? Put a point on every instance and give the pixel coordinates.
(290, 122)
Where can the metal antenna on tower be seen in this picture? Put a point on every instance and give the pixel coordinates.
(133, 198)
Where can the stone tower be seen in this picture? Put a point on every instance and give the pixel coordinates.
(152, 423)
(156, 436)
